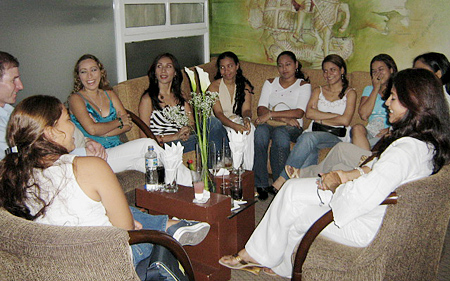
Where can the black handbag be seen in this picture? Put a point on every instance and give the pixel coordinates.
(337, 131)
(160, 266)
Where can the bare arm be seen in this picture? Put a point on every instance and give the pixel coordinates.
(145, 112)
(98, 181)
(78, 108)
(368, 102)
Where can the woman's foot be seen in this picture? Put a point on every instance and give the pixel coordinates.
(239, 260)
(292, 172)
(278, 183)
(269, 271)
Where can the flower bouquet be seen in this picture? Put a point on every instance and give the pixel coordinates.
(202, 103)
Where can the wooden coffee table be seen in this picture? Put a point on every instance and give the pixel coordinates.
(229, 230)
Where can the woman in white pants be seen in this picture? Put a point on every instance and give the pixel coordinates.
(417, 147)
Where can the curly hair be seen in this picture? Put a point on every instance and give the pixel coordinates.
(426, 119)
(78, 85)
(241, 81)
(26, 131)
(339, 61)
(153, 88)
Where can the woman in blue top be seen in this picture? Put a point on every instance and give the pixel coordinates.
(372, 108)
(95, 108)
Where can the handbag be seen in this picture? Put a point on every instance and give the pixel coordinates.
(160, 266)
(337, 131)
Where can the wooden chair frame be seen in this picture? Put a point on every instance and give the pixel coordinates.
(314, 231)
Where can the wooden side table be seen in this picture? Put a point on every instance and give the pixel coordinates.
(229, 230)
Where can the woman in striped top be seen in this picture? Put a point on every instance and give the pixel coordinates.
(164, 90)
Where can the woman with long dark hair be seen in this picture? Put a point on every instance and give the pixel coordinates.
(418, 146)
(233, 108)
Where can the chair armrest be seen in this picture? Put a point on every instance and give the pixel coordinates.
(167, 241)
(144, 128)
(314, 231)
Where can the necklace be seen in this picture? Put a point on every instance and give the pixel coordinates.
(101, 103)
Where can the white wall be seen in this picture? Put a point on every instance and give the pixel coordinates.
(48, 37)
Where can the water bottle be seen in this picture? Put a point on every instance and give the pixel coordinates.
(151, 169)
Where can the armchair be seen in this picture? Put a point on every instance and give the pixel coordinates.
(33, 251)
(408, 245)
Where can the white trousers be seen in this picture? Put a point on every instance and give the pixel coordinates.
(295, 208)
(131, 156)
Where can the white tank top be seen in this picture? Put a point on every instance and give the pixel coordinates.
(69, 206)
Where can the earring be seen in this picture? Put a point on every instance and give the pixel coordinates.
(342, 77)
(296, 70)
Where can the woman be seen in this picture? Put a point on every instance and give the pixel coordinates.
(165, 91)
(439, 65)
(332, 105)
(419, 145)
(96, 109)
(233, 108)
(54, 187)
(280, 111)
(371, 107)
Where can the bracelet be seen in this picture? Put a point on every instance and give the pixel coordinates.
(270, 113)
(121, 123)
(360, 170)
(249, 119)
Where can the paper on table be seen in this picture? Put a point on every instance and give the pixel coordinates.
(205, 198)
(237, 146)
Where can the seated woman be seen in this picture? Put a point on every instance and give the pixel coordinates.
(371, 107)
(417, 147)
(332, 105)
(280, 111)
(99, 115)
(165, 91)
(439, 65)
(54, 187)
(233, 108)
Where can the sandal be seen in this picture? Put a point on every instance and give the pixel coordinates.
(269, 271)
(292, 172)
(240, 262)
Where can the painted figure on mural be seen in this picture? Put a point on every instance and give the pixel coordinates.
(311, 29)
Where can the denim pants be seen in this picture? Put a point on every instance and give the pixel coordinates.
(306, 151)
(143, 250)
(281, 137)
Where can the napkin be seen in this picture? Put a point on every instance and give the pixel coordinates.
(172, 158)
(237, 146)
(205, 198)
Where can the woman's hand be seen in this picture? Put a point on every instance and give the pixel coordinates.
(126, 119)
(382, 132)
(263, 118)
(377, 79)
(329, 181)
(184, 133)
(137, 225)
(247, 124)
(291, 122)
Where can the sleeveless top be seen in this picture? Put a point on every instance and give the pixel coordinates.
(69, 205)
(107, 142)
(226, 99)
(160, 125)
(337, 106)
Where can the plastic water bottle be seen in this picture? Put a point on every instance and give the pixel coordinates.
(151, 169)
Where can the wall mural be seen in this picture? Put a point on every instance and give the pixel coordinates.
(258, 30)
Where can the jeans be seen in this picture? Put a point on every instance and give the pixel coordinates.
(306, 151)
(279, 151)
(143, 250)
(217, 133)
(189, 144)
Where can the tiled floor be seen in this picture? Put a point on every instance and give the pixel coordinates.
(261, 207)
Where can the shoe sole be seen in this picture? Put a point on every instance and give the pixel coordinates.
(192, 235)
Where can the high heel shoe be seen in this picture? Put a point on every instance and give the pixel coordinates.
(292, 172)
(262, 193)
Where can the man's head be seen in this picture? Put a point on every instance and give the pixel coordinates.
(10, 83)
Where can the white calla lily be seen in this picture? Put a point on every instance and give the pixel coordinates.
(191, 76)
(203, 77)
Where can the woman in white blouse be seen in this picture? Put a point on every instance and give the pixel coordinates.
(417, 147)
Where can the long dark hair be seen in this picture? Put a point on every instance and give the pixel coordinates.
(437, 61)
(426, 119)
(26, 132)
(153, 88)
(77, 85)
(390, 63)
(298, 72)
(339, 61)
(241, 81)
